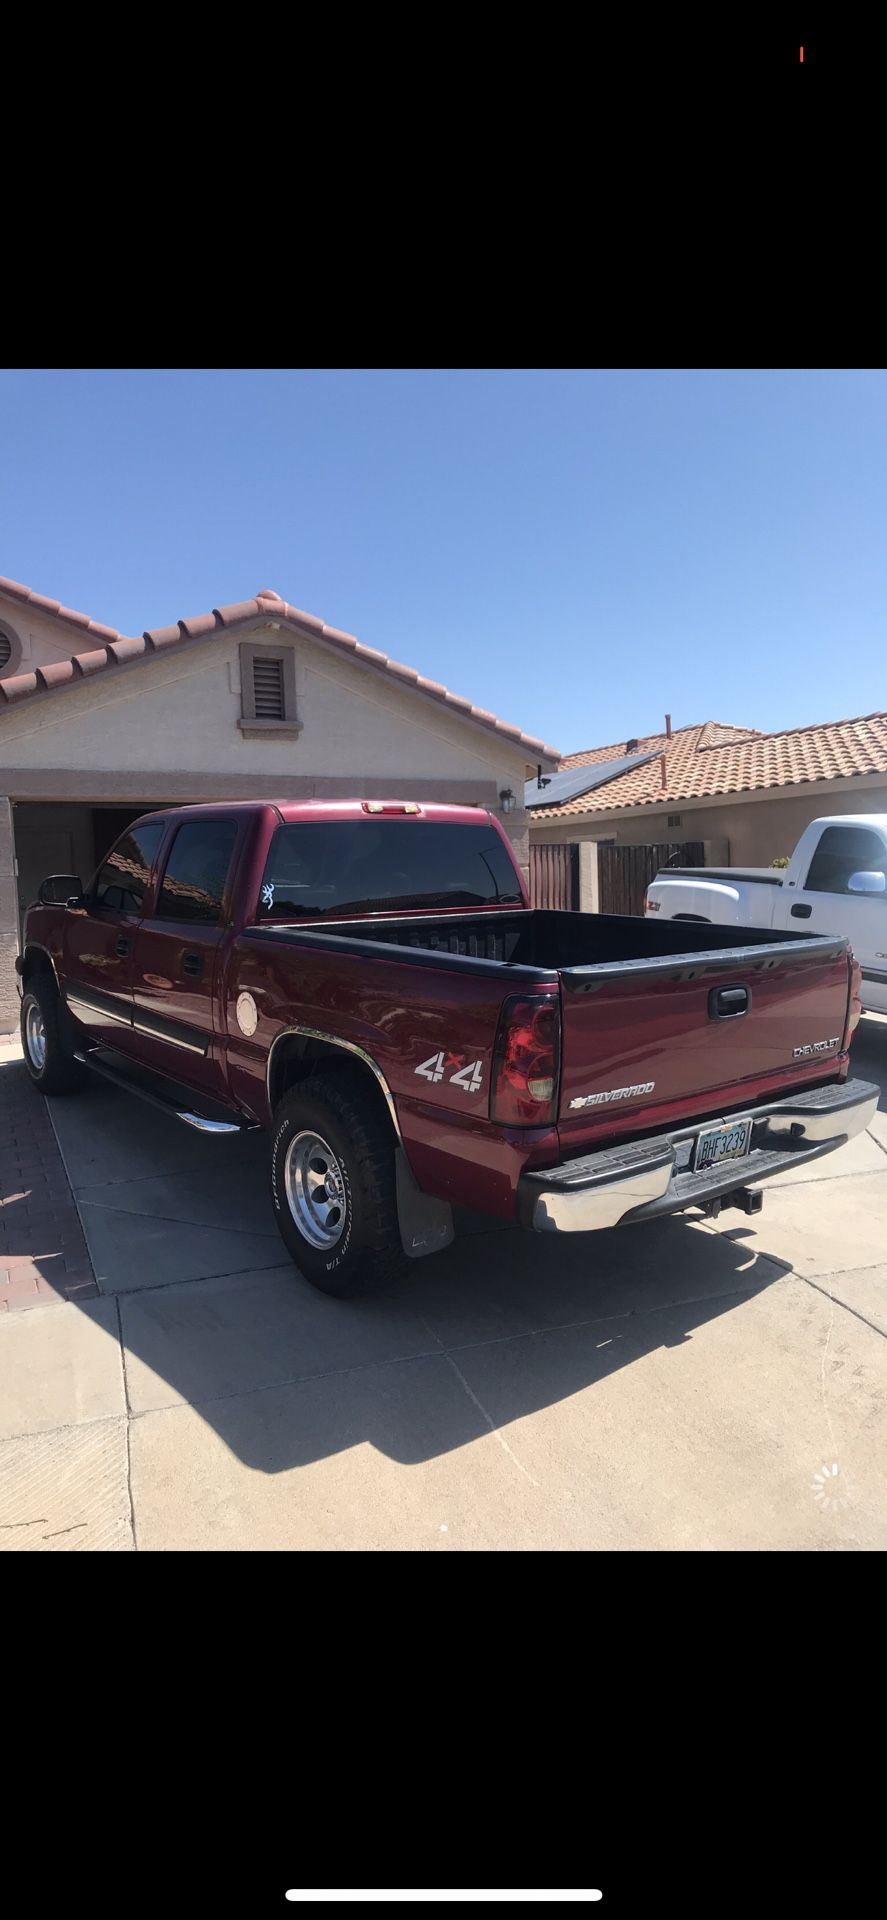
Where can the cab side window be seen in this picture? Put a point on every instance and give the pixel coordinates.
(122, 879)
(842, 851)
(196, 871)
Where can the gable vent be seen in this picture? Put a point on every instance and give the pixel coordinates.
(5, 650)
(268, 689)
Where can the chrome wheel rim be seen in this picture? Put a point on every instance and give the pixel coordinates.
(315, 1190)
(35, 1036)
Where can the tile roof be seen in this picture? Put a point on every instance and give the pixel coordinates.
(703, 761)
(112, 649)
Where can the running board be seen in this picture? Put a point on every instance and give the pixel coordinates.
(156, 1100)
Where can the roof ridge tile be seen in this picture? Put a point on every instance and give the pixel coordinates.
(120, 649)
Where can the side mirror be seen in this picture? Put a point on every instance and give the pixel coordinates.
(867, 883)
(59, 889)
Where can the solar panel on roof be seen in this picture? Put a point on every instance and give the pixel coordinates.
(574, 781)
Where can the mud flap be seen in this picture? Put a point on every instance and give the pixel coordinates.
(426, 1225)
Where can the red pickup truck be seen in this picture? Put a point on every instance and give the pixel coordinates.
(368, 980)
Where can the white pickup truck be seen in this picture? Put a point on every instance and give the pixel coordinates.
(835, 882)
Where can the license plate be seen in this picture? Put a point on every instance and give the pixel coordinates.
(722, 1143)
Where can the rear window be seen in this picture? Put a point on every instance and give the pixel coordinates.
(340, 867)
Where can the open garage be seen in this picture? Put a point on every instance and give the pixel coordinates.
(253, 700)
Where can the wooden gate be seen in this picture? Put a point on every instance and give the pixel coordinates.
(624, 873)
(554, 874)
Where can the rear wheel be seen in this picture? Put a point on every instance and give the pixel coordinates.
(333, 1186)
(49, 1060)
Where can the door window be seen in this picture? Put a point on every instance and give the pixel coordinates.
(842, 851)
(121, 881)
(196, 871)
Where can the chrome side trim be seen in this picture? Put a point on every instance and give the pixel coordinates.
(104, 1013)
(206, 1126)
(345, 1046)
(152, 1033)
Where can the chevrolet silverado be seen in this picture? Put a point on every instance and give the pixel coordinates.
(368, 981)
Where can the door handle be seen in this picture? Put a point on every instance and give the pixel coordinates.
(192, 963)
(801, 910)
(728, 1003)
(122, 947)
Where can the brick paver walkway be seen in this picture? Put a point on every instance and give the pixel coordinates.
(43, 1255)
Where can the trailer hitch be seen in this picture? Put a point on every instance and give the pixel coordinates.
(747, 1199)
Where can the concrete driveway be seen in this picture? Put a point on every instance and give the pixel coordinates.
(677, 1385)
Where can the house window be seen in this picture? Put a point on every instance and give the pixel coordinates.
(674, 819)
(10, 652)
(268, 691)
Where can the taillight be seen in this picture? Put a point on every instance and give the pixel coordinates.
(650, 906)
(854, 1003)
(526, 1062)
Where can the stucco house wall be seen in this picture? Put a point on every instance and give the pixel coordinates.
(178, 716)
(165, 729)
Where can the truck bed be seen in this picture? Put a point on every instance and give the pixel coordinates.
(644, 1035)
(549, 942)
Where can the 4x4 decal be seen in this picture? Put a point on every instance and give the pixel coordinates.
(435, 1066)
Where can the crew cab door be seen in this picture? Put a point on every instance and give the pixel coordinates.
(824, 903)
(177, 953)
(98, 938)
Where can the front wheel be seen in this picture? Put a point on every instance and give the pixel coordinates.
(333, 1186)
(50, 1063)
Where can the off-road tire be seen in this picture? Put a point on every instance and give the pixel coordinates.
(368, 1255)
(59, 1071)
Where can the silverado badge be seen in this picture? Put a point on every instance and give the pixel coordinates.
(615, 1093)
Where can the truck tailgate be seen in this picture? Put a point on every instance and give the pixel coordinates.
(691, 1028)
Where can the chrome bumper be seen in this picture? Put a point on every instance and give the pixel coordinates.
(644, 1178)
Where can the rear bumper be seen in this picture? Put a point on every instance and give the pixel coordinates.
(645, 1178)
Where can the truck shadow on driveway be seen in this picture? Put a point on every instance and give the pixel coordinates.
(215, 1317)
(494, 1335)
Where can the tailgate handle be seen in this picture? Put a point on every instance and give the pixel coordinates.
(802, 910)
(728, 1003)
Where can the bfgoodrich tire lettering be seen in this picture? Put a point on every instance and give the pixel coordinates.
(342, 1231)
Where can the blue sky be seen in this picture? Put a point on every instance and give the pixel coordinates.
(579, 551)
